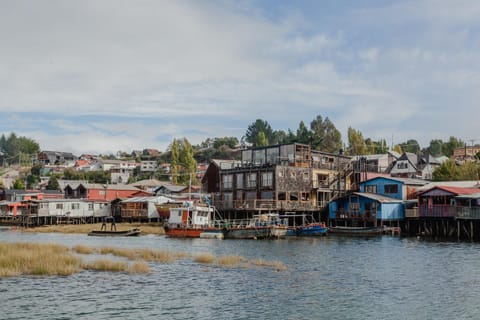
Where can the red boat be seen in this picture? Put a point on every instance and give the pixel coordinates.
(189, 221)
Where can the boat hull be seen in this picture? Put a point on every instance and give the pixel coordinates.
(261, 232)
(183, 232)
(356, 231)
(126, 233)
(315, 230)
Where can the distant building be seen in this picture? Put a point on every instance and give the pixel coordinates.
(148, 166)
(55, 157)
(465, 153)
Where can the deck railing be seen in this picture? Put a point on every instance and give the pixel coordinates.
(266, 204)
(437, 211)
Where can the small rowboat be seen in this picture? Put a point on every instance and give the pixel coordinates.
(126, 233)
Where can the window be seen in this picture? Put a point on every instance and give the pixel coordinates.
(90, 206)
(391, 188)
(59, 206)
(75, 206)
(305, 176)
(267, 179)
(371, 189)
(227, 181)
(228, 199)
(239, 180)
(402, 165)
(252, 180)
(267, 195)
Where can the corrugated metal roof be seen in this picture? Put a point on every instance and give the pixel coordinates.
(469, 196)
(159, 199)
(377, 197)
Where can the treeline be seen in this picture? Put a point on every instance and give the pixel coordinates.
(18, 150)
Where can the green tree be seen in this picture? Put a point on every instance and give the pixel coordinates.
(446, 172)
(468, 171)
(262, 140)
(175, 154)
(53, 183)
(356, 143)
(325, 136)
(19, 184)
(449, 147)
(254, 129)
(230, 142)
(304, 135)
(187, 163)
(411, 146)
(436, 147)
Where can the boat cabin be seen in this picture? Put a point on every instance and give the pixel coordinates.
(190, 215)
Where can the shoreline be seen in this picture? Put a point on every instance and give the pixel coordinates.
(145, 228)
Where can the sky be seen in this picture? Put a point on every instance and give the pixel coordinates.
(118, 75)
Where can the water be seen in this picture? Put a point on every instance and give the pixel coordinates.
(327, 278)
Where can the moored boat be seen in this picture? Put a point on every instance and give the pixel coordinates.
(263, 226)
(312, 229)
(356, 231)
(114, 233)
(190, 220)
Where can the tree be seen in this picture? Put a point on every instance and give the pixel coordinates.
(436, 147)
(53, 183)
(356, 143)
(411, 146)
(175, 153)
(325, 136)
(446, 172)
(449, 147)
(230, 142)
(262, 140)
(398, 149)
(254, 129)
(187, 163)
(19, 184)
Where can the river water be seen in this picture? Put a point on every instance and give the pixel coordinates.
(326, 278)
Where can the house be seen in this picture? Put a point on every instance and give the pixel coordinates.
(279, 177)
(72, 208)
(143, 208)
(464, 153)
(405, 166)
(171, 189)
(149, 185)
(55, 157)
(148, 166)
(440, 201)
(426, 166)
(365, 209)
(396, 188)
(96, 191)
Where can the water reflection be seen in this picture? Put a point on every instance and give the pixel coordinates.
(327, 278)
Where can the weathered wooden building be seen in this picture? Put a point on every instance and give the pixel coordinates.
(283, 178)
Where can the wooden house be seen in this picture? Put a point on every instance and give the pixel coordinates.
(72, 208)
(440, 201)
(397, 188)
(143, 208)
(107, 192)
(365, 209)
(288, 177)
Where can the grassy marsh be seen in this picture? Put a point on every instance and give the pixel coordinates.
(146, 228)
(18, 259)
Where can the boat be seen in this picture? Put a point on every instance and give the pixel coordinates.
(312, 229)
(190, 220)
(212, 234)
(263, 226)
(357, 231)
(114, 233)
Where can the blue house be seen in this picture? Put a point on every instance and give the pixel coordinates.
(380, 199)
(365, 209)
(397, 188)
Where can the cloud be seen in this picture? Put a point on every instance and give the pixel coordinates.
(114, 75)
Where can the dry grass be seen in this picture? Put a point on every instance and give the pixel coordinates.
(205, 258)
(159, 255)
(230, 261)
(107, 265)
(120, 252)
(37, 259)
(139, 267)
(83, 249)
(86, 228)
(277, 265)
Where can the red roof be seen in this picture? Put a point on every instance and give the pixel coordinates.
(455, 190)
